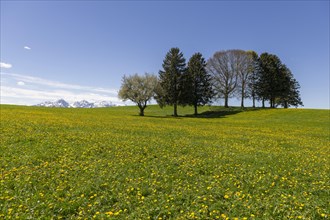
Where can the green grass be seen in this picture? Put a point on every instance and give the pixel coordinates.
(109, 163)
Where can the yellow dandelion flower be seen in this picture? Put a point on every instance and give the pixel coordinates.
(109, 213)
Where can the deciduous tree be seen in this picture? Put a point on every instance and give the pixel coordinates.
(223, 68)
(253, 76)
(244, 71)
(138, 89)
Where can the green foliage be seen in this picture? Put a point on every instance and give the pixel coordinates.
(276, 83)
(171, 80)
(199, 84)
(243, 74)
(290, 90)
(138, 89)
(107, 163)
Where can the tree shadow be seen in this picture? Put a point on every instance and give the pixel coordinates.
(158, 116)
(214, 112)
(221, 112)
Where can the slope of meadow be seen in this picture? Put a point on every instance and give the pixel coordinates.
(111, 163)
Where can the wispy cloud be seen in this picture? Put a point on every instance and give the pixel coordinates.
(54, 84)
(37, 90)
(20, 83)
(5, 65)
(27, 48)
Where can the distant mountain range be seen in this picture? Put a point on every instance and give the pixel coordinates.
(61, 103)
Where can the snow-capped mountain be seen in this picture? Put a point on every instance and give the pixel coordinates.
(59, 103)
(103, 104)
(79, 104)
(82, 104)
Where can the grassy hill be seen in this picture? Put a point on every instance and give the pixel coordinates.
(110, 163)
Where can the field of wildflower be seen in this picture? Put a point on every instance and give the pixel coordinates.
(109, 163)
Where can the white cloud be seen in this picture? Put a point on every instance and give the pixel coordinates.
(20, 83)
(42, 95)
(37, 90)
(5, 65)
(54, 84)
(27, 48)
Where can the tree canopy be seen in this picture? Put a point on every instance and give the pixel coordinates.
(199, 82)
(223, 68)
(276, 83)
(170, 90)
(138, 89)
(228, 73)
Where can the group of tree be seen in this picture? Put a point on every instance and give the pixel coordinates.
(275, 83)
(181, 84)
(227, 74)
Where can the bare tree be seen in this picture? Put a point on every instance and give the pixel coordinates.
(244, 70)
(223, 67)
(253, 76)
(138, 89)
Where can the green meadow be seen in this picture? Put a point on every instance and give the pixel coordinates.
(110, 163)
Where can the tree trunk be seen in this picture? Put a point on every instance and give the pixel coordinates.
(263, 102)
(242, 100)
(285, 104)
(175, 113)
(273, 103)
(254, 102)
(142, 110)
(195, 106)
(226, 101)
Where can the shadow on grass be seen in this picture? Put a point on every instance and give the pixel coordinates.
(221, 112)
(159, 116)
(214, 112)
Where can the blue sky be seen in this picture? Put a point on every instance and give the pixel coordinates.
(81, 49)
